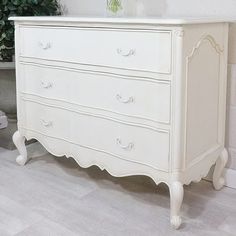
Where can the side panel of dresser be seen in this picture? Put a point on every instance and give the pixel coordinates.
(203, 82)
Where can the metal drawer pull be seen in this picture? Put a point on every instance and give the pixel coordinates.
(128, 147)
(122, 100)
(46, 85)
(46, 123)
(45, 46)
(131, 52)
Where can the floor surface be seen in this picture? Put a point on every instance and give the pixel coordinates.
(53, 196)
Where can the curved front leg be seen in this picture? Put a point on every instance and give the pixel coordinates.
(19, 141)
(176, 199)
(218, 179)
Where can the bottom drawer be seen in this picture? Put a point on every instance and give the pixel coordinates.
(130, 142)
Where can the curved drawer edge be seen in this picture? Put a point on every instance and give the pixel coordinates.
(61, 147)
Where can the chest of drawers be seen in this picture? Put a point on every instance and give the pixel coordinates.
(132, 96)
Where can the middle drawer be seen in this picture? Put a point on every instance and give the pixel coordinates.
(135, 97)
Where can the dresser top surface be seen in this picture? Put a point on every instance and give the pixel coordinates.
(123, 20)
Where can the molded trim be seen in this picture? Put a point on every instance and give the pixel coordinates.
(98, 116)
(189, 58)
(54, 152)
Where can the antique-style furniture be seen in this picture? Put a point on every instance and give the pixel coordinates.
(132, 96)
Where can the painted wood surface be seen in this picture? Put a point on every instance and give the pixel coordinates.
(170, 121)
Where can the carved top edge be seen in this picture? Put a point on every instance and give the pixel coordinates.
(206, 38)
(179, 33)
(124, 20)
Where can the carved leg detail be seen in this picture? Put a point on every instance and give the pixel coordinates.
(218, 179)
(19, 141)
(176, 199)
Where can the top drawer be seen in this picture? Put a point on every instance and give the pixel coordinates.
(128, 49)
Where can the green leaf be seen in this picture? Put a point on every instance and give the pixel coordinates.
(16, 2)
(2, 22)
(4, 2)
(35, 2)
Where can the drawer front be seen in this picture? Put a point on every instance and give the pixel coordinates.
(136, 98)
(133, 50)
(129, 142)
(45, 120)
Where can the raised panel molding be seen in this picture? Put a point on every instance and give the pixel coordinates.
(194, 108)
(207, 38)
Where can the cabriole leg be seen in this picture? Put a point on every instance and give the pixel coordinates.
(218, 179)
(19, 141)
(176, 199)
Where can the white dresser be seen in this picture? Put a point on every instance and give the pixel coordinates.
(132, 96)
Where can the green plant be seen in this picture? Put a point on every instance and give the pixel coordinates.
(114, 5)
(20, 8)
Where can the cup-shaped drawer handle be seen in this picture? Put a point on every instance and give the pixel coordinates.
(127, 147)
(46, 123)
(124, 53)
(124, 100)
(46, 85)
(45, 46)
